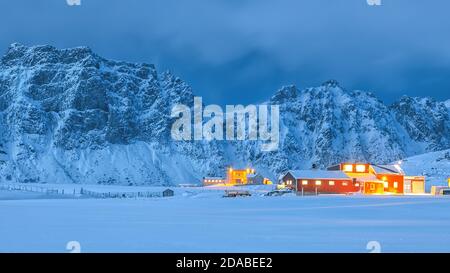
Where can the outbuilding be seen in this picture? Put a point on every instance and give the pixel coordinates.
(168, 193)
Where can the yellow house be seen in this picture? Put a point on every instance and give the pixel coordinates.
(238, 176)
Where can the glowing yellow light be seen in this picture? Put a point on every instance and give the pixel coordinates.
(318, 183)
(384, 178)
(360, 168)
(348, 168)
(344, 183)
(248, 170)
(357, 185)
(396, 185)
(331, 183)
(231, 170)
(305, 182)
(386, 185)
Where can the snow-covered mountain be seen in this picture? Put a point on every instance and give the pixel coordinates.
(327, 125)
(72, 116)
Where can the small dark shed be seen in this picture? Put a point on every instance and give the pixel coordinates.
(168, 193)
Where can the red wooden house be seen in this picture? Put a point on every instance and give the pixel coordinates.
(319, 181)
(355, 177)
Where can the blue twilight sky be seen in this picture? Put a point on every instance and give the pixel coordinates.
(242, 51)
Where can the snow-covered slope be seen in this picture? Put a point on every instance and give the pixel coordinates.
(72, 116)
(435, 166)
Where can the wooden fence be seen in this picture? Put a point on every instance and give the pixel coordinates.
(37, 189)
(81, 192)
(104, 195)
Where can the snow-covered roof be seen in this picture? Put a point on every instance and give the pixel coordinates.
(318, 174)
(389, 169)
(215, 178)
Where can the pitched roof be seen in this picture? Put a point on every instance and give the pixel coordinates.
(212, 177)
(388, 169)
(318, 174)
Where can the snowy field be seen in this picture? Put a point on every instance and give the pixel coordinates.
(200, 220)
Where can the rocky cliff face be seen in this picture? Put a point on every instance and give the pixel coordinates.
(71, 116)
(425, 120)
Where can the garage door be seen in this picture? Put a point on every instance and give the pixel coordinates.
(418, 187)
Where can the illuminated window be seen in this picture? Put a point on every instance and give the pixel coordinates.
(344, 184)
(305, 182)
(331, 183)
(357, 185)
(348, 168)
(396, 185)
(361, 168)
(386, 185)
(318, 183)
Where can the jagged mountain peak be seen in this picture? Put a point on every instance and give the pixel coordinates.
(285, 94)
(46, 54)
(331, 84)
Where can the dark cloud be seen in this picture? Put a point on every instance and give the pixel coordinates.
(242, 51)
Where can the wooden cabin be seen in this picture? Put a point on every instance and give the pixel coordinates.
(255, 179)
(168, 193)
